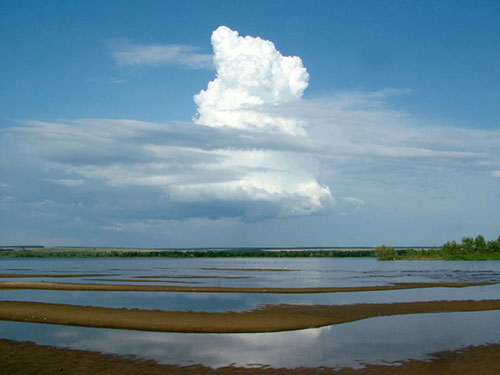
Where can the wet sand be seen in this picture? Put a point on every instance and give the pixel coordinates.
(215, 289)
(249, 269)
(61, 275)
(269, 318)
(18, 358)
(193, 277)
(144, 281)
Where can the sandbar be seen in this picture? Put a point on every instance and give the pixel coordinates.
(220, 289)
(193, 277)
(249, 269)
(61, 275)
(267, 318)
(18, 358)
(144, 281)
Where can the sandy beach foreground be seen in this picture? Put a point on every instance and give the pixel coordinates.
(269, 318)
(27, 358)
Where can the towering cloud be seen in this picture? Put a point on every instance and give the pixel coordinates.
(252, 77)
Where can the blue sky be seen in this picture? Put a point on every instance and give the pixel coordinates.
(384, 128)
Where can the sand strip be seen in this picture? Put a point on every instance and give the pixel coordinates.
(21, 276)
(216, 289)
(194, 277)
(249, 269)
(269, 318)
(25, 358)
(144, 281)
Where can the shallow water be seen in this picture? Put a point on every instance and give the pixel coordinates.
(223, 302)
(302, 272)
(369, 341)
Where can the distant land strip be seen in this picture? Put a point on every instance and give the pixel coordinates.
(219, 289)
(269, 318)
(470, 249)
(64, 252)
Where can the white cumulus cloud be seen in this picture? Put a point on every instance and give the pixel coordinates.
(252, 76)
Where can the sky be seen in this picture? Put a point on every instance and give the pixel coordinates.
(249, 124)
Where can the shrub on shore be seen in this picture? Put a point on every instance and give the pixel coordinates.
(470, 249)
(385, 253)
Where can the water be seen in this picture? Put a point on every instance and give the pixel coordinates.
(241, 272)
(375, 340)
(224, 302)
(372, 340)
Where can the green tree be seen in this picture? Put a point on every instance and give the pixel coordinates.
(493, 247)
(451, 249)
(385, 253)
(467, 245)
(480, 245)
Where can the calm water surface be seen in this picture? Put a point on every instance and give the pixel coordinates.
(256, 272)
(223, 302)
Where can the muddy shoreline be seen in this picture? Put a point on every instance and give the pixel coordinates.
(29, 358)
(215, 289)
(269, 318)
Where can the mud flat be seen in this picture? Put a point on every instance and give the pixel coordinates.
(28, 358)
(269, 318)
(215, 289)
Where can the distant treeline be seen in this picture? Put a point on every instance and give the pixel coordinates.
(21, 247)
(470, 249)
(89, 253)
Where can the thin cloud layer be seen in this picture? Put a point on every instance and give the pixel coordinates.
(355, 204)
(127, 54)
(188, 163)
(251, 77)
